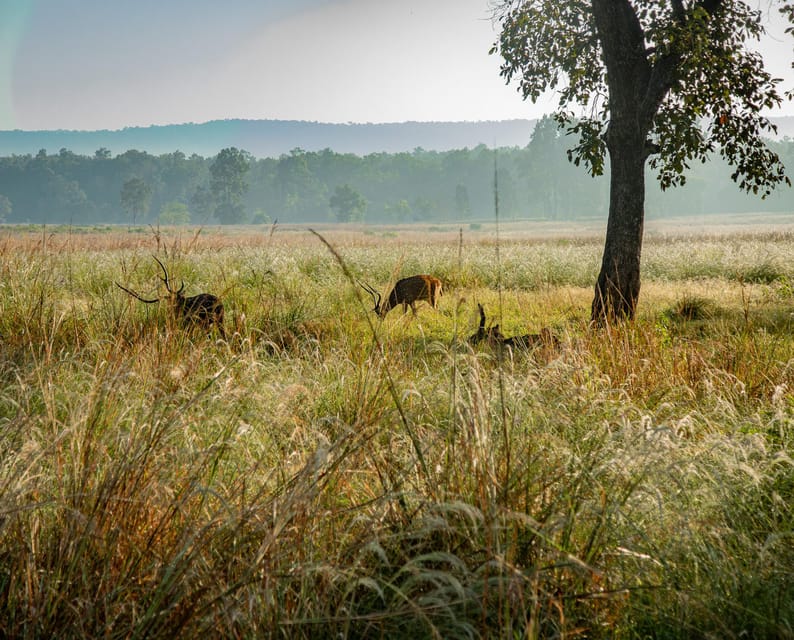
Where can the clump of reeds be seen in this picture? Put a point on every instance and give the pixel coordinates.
(691, 308)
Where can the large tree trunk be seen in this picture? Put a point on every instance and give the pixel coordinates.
(633, 99)
(618, 286)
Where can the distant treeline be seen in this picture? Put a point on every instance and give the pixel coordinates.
(535, 181)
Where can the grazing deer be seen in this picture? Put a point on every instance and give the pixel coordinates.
(406, 292)
(493, 335)
(203, 309)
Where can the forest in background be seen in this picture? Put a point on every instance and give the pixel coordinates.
(271, 138)
(535, 181)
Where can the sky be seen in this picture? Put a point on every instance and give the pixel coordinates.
(110, 64)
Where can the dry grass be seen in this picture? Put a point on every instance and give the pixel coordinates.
(322, 474)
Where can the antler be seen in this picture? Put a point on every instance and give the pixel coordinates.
(165, 279)
(376, 298)
(482, 317)
(135, 295)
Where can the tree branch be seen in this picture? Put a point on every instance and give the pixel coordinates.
(678, 11)
(663, 74)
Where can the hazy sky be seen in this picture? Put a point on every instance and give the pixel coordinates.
(107, 64)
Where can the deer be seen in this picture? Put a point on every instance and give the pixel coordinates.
(204, 309)
(406, 292)
(492, 335)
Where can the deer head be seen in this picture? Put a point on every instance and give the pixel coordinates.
(491, 334)
(376, 298)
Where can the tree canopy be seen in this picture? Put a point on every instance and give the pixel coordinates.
(136, 197)
(348, 204)
(228, 184)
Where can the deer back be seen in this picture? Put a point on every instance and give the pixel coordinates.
(532, 340)
(204, 307)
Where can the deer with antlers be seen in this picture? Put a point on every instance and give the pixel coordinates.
(406, 292)
(204, 309)
(493, 335)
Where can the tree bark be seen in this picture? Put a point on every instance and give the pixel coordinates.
(629, 77)
(618, 286)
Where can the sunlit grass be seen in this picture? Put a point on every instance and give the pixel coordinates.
(326, 474)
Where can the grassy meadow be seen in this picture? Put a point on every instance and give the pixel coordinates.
(323, 474)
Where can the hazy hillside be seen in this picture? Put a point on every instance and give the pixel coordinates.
(271, 138)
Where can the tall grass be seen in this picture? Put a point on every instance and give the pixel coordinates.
(323, 474)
